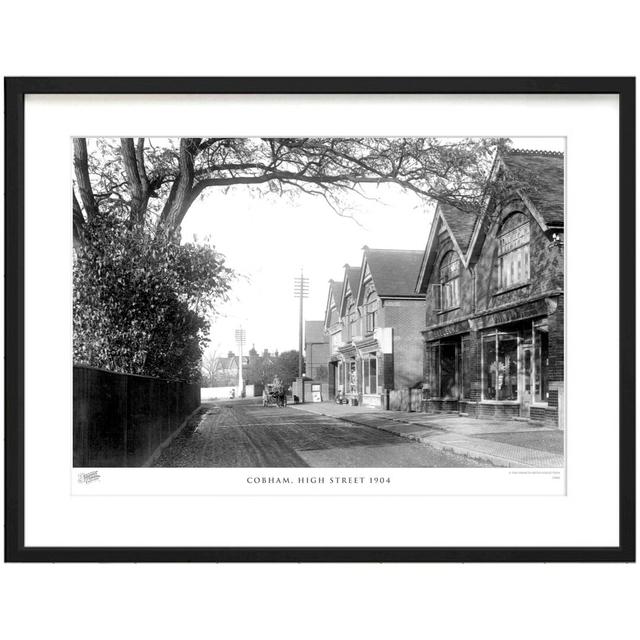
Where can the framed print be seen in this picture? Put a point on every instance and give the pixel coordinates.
(320, 319)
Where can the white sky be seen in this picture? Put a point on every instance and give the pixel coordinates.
(267, 240)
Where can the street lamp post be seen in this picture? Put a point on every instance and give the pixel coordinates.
(300, 290)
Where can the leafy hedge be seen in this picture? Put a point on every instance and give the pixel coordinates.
(142, 303)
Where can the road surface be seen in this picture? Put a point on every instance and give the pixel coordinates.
(242, 433)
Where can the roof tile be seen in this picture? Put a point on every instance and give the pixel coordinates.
(394, 271)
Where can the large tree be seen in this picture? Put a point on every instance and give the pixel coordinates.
(152, 183)
(287, 366)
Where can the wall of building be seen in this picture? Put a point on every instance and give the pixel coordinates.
(316, 351)
(546, 273)
(316, 358)
(432, 314)
(406, 317)
(545, 260)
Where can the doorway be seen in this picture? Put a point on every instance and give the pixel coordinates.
(526, 390)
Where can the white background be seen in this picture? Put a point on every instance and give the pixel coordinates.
(319, 601)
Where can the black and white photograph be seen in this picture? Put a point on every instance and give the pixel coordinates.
(321, 302)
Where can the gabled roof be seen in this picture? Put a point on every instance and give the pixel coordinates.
(460, 224)
(333, 299)
(349, 285)
(353, 277)
(229, 362)
(545, 200)
(393, 272)
(545, 197)
(547, 169)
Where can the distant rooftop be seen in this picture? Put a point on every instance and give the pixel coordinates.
(394, 271)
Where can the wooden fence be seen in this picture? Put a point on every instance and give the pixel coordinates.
(405, 400)
(119, 420)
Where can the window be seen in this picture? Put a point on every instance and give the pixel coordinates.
(513, 251)
(352, 382)
(500, 366)
(369, 375)
(371, 309)
(450, 280)
(351, 321)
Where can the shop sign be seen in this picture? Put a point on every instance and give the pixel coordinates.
(449, 330)
(521, 312)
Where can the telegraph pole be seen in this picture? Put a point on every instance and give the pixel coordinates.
(241, 335)
(300, 290)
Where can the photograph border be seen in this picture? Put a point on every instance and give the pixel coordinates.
(15, 91)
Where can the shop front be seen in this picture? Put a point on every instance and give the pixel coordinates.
(370, 377)
(484, 369)
(348, 374)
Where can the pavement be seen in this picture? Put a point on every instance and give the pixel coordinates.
(504, 443)
(243, 433)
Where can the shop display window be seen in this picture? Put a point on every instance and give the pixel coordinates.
(500, 366)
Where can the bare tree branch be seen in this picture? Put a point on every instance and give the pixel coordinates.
(162, 181)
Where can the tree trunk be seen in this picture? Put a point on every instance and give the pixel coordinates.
(81, 165)
(181, 196)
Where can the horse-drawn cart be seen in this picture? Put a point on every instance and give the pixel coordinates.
(274, 395)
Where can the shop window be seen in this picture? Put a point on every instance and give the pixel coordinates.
(513, 251)
(541, 360)
(449, 291)
(352, 387)
(369, 375)
(500, 366)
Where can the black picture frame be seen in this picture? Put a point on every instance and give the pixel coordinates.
(15, 91)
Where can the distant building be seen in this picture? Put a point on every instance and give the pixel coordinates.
(225, 370)
(261, 367)
(316, 351)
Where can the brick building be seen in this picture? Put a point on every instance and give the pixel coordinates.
(494, 291)
(373, 320)
(316, 352)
